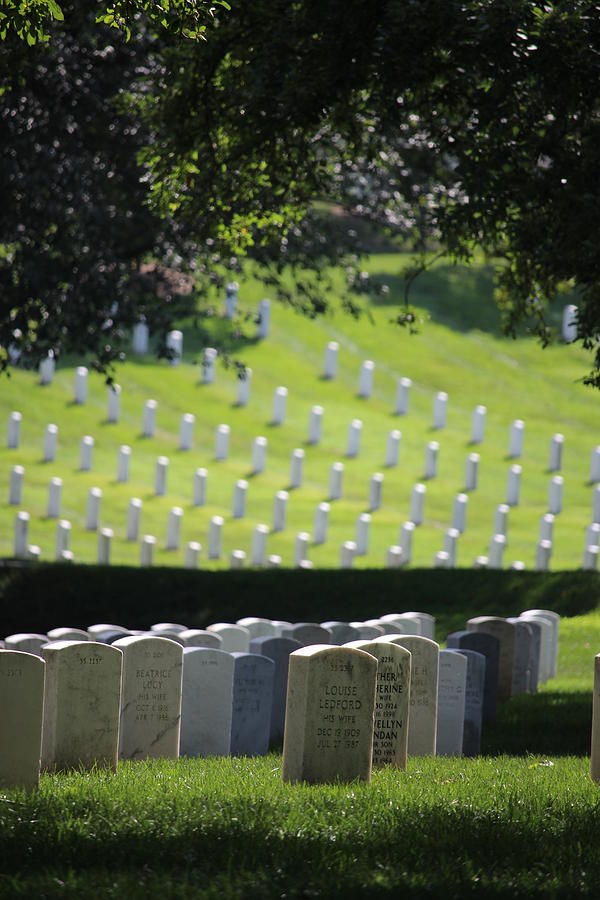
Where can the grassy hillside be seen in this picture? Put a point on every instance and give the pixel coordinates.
(460, 351)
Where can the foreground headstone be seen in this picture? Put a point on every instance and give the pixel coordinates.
(82, 694)
(206, 704)
(392, 697)
(329, 715)
(474, 692)
(489, 647)
(451, 703)
(517, 435)
(505, 632)
(151, 707)
(595, 752)
(21, 712)
(278, 650)
(424, 673)
(252, 704)
(235, 638)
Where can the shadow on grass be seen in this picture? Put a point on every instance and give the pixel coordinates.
(548, 724)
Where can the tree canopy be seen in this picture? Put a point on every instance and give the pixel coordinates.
(451, 124)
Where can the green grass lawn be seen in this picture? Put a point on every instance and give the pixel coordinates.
(519, 825)
(460, 351)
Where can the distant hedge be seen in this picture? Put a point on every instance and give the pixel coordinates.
(37, 597)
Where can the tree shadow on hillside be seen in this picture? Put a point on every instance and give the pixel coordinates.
(457, 296)
(548, 724)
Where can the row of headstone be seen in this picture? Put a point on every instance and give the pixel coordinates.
(345, 710)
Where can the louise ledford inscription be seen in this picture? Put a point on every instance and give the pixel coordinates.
(329, 715)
